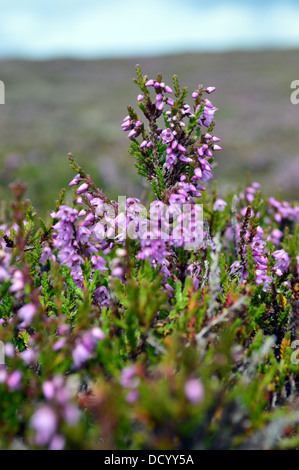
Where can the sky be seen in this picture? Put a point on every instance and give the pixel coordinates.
(41, 29)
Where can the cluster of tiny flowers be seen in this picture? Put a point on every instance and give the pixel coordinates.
(10, 272)
(13, 380)
(282, 262)
(258, 246)
(283, 211)
(178, 146)
(129, 379)
(59, 393)
(86, 345)
(75, 241)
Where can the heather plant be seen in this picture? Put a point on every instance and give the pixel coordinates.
(170, 324)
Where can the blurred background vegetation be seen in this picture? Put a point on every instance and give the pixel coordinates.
(58, 106)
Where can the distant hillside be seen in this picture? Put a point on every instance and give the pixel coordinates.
(62, 106)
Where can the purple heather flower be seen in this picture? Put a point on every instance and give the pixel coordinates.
(80, 355)
(29, 356)
(97, 333)
(82, 189)
(210, 89)
(169, 101)
(17, 281)
(48, 389)
(171, 159)
(140, 97)
(57, 443)
(71, 414)
(44, 422)
(216, 147)
(208, 114)
(14, 380)
(167, 89)
(3, 374)
(143, 144)
(59, 344)
(102, 296)
(9, 350)
(132, 396)
(264, 279)
(283, 262)
(128, 377)
(219, 205)
(132, 133)
(167, 136)
(26, 314)
(75, 180)
(194, 391)
(159, 102)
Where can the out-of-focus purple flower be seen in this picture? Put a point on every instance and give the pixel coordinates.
(17, 281)
(26, 314)
(102, 296)
(29, 356)
(132, 396)
(140, 97)
(59, 344)
(57, 443)
(14, 380)
(194, 391)
(128, 377)
(219, 205)
(9, 350)
(80, 355)
(44, 422)
(48, 389)
(3, 374)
